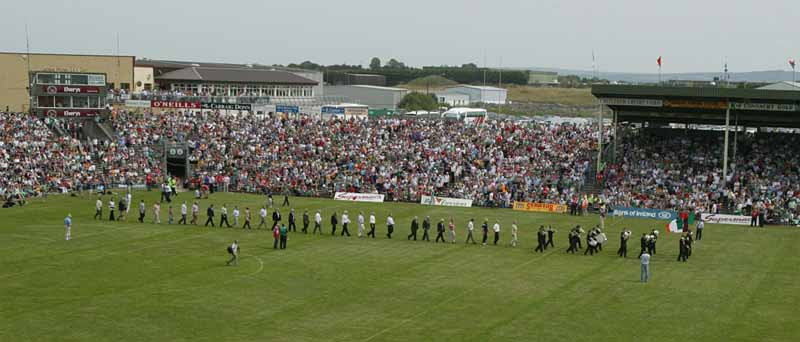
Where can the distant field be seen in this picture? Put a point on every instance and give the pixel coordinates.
(564, 96)
(126, 281)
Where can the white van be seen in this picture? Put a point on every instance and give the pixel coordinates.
(467, 115)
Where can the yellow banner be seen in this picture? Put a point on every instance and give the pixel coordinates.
(540, 207)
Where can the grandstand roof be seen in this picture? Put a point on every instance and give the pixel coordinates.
(221, 74)
(658, 104)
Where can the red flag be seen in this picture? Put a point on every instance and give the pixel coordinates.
(791, 62)
(659, 61)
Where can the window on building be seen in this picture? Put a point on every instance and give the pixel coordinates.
(94, 102)
(63, 79)
(45, 78)
(46, 101)
(110, 85)
(79, 79)
(96, 80)
(80, 102)
(126, 86)
(148, 86)
(63, 101)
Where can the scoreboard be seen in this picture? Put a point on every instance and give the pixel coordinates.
(68, 94)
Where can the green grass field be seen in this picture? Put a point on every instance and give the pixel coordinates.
(145, 282)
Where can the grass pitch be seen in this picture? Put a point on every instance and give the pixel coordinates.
(144, 282)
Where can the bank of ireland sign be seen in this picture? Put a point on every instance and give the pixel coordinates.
(656, 214)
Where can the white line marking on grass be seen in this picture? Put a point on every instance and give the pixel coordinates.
(423, 312)
(260, 267)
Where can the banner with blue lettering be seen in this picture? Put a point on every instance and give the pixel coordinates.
(656, 214)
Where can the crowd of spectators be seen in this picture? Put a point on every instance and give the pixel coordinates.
(677, 169)
(493, 164)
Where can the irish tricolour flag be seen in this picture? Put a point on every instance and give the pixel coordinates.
(673, 227)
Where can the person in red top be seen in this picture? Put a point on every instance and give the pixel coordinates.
(684, 216)
(276, 234)
(754, 217)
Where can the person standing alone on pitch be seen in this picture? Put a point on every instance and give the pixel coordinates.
(645, 276)
(68, 227)
(98, 209)
(233, 250)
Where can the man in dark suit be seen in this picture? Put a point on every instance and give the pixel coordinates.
(334, 222)
(276, 217)
(414, 228)
(210, 215)
(292, 226)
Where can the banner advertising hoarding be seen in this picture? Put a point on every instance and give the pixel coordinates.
(446, 201)
(656, 214)
(357, 197)
(540, 207)
(726, 219)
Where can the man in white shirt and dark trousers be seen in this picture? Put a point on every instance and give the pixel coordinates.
(470, 229)
(233, 250)
(389, 226)
(98, 210)
(223, 216)
(317, 223)
(371, 225)
(496, 229)
(345, 224)
(700, 226)
(142, 210)
(645, 276)
(183, 213)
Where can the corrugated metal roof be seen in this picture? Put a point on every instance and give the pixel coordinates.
(239, 75)
(717, 93)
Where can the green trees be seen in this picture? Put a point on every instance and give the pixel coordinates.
(419, 101)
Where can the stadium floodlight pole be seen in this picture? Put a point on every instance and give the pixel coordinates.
(725, 148)
(599, 139)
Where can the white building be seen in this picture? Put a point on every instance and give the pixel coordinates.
(454, 100)
(477, 94)
(785, 85)
(373, 96)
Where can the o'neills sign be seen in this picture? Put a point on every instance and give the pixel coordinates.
(446, 201)
(356, 197)
(175, 104)
(61, 89)
(72, 113)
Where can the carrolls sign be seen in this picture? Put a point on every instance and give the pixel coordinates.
(226, 106)
(64, 89)
(72, 113)
(175, 104)
(357, 197)
(446, 201)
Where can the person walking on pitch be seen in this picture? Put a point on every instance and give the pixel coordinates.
(183, 213)
(345, 224)
(334, 222)
(236, 214)
(111, 207)
(389, 226)
(156, 213)
(247, 217)
(426, 227)
(414, 228)
(550, 233)
(470, 229)
(233, 250)
(141, 211)
(262, 213)
(223, 216)
(305, 221)
(283, 236)
(485, 229)
(514, 234)
(541, 239)
(440, 230)
(451, 227)
(98, 209)
(195, 213)
(292, 221)
(645, 275)
(496, 229)
(210, 215)
(68, 227)
(317, 223)
(361, 228)
(372, 222)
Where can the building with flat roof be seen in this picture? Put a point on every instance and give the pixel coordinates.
(477, 94)
(158, 68)
(373, 96)
(15, 67)
(226, 81)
